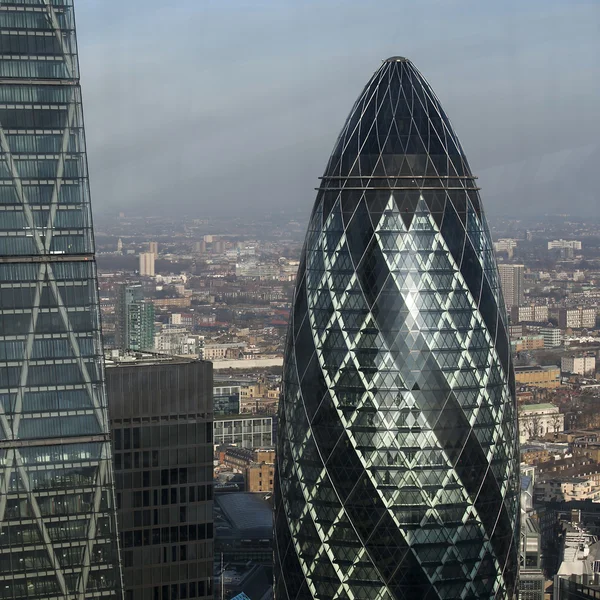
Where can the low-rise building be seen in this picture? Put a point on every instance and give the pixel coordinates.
(552, 337)
(536, 420)
(578, 364)
(577, 318)
(223, 351)
(564, 244)
(528, 342)
(565, 488)
(536, 376)
(178, 341)
(534, 313)
(247, 431)
(260, 477)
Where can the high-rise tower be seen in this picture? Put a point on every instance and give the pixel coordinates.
(57, 514)
(512, 283)
(397, 461)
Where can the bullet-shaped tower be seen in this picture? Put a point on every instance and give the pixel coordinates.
(397, 460)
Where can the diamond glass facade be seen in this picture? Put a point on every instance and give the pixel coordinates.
(397, 466)
(57, 514)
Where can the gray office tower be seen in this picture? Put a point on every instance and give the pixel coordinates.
(57, 514)
(161, 419)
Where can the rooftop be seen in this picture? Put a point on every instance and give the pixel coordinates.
(533, 368)
(249, 514)
(123, 358)
(542, 406)
(242, 417)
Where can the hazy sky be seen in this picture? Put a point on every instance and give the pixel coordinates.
(226, 105)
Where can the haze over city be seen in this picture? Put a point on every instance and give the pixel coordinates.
(209, 107)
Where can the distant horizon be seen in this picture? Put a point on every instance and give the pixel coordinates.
(240, 104)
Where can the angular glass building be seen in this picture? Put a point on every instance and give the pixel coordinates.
(397, 468)
(57, 514)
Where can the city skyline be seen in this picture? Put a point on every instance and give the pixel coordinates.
(238, 75)
(397, 458)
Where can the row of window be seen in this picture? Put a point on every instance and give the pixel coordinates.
(62, 271)
(162, 436)
(35, 20)
(70, 192)
(48, 402)
(166, 535)
(79, 321)
(62, 243)
(166, 496)
(176, 591)
(192, 455)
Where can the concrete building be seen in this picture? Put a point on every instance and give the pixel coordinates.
(147, 264)
(529, 314)
(528, 342)
(512, 282)
(256, 270)
(153, 248)
(552, 337)
(564, 244)
(161, 420)
(577, 318)
(536, 420)
(507, 245)
(566, 488)
(177, 340)
(223, 351)
(244, 430)
(578, 365)
(534, 375)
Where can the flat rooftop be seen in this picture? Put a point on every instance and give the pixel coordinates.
(242, 417)
(249, 514)
(542, 406)
(127, 358)
(533, 368)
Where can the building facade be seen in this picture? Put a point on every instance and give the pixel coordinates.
(161, 422)
(147, 260)
(58, 535)
(244, 430)
(513, 283)
(578, 365)
(562, 244)
(534, 313)
(537, 376)
(577, 318)
(536, 420)
(134, 319)
(552, 337)
(226, 400)
(397, 461)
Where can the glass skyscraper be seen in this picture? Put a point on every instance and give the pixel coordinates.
(57, 514)
(397, 458)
